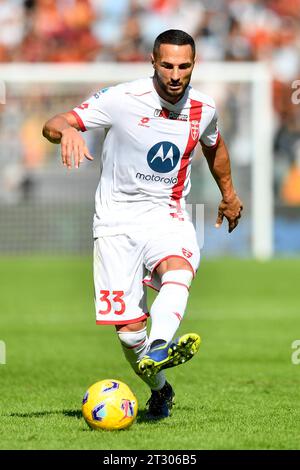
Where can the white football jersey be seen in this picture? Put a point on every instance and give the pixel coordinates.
(147, 152)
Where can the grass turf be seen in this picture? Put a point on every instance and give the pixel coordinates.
(240, 392)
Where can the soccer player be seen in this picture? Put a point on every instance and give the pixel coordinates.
(143, 234)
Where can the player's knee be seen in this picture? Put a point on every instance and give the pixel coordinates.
(173, 264)
(133, 340)
(179, 277)
(131, 327)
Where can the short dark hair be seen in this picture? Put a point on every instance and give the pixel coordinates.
(173, 36)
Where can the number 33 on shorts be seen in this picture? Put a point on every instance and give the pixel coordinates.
(112, 301)
(118, 274)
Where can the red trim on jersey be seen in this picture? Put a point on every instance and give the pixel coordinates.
(176, 283)
(195, 117)
(211, 146)
(79, 121)
(206, 104)
(124, 322)
(148, 282)
(142, 94)
(178, 214)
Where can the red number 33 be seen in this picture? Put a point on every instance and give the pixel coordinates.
(116, 298)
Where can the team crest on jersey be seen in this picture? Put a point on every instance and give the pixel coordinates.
(186, 253)
(195, 129)
(163, 157)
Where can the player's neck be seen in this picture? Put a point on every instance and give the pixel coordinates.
(164, 95)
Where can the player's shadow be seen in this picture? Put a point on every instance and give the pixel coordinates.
(142, 418)
(77, 414)
(73, 413)
(37, 414)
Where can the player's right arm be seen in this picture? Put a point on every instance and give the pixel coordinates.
(64, 129)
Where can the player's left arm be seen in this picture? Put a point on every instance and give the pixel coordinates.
(219, 164)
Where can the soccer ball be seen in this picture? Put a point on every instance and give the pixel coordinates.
(109, 404)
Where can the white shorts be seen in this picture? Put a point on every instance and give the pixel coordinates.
(125, 264)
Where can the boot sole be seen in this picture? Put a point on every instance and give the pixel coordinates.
(187, 346)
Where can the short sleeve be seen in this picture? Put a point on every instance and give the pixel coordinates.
(211, 135)
(96, 111)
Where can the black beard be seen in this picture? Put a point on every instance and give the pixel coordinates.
(165, 89)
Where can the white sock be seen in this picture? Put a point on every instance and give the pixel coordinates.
(169, 306)
(134, 345)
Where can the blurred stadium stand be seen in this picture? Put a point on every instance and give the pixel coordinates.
(43, 208)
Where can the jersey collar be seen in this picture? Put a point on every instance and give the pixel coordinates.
(166, 103)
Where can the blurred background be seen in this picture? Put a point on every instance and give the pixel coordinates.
(244, 392)
(46, 209)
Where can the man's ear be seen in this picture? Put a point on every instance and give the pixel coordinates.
(152, 59)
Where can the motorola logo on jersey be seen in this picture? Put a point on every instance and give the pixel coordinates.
(156, 178)
(163, 157)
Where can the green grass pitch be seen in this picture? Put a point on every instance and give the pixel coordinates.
(241, 391)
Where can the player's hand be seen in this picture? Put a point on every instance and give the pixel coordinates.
(230, 208)
(73, 148)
